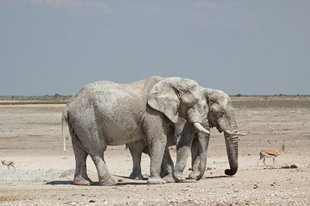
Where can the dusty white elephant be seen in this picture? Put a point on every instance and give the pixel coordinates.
(106, 113)
(219, 114)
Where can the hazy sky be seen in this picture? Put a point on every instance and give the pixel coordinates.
(239, 46)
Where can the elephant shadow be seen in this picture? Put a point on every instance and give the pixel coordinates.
(94, 183)
(133, 182)
(120, 183)
(219, 176)
(60, 182)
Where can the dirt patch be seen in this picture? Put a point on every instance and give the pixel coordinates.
(9, 198)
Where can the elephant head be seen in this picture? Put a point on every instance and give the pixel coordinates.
(179, 98)
(221, 115)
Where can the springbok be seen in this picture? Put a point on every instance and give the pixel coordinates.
(270, 153)
(8, 163)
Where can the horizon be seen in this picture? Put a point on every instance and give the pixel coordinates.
(232, 95)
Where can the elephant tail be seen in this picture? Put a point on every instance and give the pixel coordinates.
(64, 119)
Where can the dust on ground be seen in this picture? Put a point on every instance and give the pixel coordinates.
(31, 136)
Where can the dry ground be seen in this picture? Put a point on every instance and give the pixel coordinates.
(31, 136)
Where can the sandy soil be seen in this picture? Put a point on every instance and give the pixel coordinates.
(31, 136)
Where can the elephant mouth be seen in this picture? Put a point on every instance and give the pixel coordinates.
(216, 126)
(219, 128)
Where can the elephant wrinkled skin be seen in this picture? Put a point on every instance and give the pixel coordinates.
(106, 113)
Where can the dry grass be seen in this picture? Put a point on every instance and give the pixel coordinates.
(271, 101)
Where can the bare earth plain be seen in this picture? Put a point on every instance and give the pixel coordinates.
(30, 135)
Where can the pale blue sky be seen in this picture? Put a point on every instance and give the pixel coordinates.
(239, 46)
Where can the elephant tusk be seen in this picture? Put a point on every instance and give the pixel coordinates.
(201, 128)
(234, 133)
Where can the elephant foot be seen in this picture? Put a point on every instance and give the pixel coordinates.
(178, 177)
(108, 182)
(136, 176)
(156, 180)
(169, 178)
(193, 175)
(164, 173)
(81, 181)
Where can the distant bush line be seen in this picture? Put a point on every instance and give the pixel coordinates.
(46, 99)
(239, 101)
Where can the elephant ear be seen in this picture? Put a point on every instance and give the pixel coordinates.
(217, 96)
(167, 95)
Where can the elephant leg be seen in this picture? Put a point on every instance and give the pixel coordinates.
(95, 146)
(183, 152)
(80, 176)
(156, 154)
(136, 148)
(195, 159)
(104, 176)
(157, 142)
(167, 167)
(96, 150)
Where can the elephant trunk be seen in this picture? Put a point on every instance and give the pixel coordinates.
(203, 147)
(231, 133)
(232, 153)
(231, 141)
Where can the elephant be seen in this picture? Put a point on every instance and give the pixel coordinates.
(107, 113)
(219, 114)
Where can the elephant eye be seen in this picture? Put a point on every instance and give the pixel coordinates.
(220, 114)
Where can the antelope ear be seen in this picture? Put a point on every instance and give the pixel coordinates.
(166, 96)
